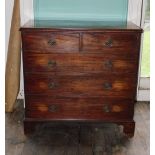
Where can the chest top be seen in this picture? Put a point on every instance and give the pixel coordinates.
(81, 25)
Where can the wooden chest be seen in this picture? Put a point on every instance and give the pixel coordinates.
(87, 73)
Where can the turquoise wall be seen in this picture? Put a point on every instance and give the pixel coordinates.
(102, 10)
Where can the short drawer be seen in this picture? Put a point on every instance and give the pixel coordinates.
(50, 42)
(79, 64)
(109, 41)
(78, 108)
(75, 86)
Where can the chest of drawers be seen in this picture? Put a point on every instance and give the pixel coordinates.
(86, 74)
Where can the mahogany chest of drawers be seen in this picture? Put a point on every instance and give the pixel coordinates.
(80, 74)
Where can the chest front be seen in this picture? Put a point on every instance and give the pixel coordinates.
(80, 75)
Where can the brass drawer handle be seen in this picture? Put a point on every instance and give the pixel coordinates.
(51, 85)
(51, 63)
(108, 64)
(52, 42)
(108, 43)
(107, 86)
(53, 108)
(106, 108)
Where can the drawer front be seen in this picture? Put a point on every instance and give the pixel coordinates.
(77, 108)
(109, 41)
(77, 86)
(48, 42)
(78, 64)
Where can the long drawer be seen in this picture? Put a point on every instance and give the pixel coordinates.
(78, 64)
(76, 86)
(78, 108)
(49, 42)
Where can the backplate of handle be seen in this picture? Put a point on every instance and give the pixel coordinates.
(106, 108)
(107, 86)
(108, 64)
(108, 43)
(51, 63)
(52, 42)
(51, 85)
(53, 108)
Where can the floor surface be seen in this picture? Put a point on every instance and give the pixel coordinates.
(49, 139)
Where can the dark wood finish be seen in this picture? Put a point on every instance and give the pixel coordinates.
(103, 41)
(29, 127)
(100, 26)
(81, 74)
(80, 64)
(80, 86)
(78, 108)
(49, 42)
(129, 128)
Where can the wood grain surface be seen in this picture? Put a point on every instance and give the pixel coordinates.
(82, 66)
(12, 74)
(99, 41)
(49, 42)
(80, 86)
(85, 109)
